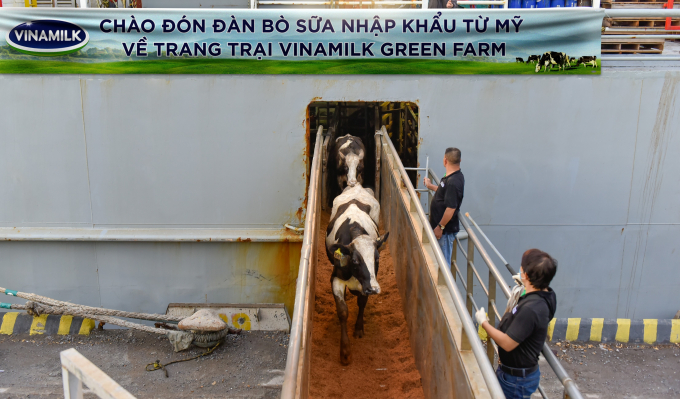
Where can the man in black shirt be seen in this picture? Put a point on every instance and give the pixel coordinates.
(522, 331)
(446, 202)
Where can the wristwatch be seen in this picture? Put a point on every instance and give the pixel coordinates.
(441, 226)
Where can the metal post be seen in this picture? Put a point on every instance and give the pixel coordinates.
(468, 294)
(492, 316)
(378, 151)
(470, 275)
(73, 388)
(454, 253)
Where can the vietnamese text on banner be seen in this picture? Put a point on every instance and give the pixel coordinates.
(243, 41)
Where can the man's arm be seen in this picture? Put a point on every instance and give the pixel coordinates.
(520, 328)
(501, 338)
(429, 185)
(448, 214)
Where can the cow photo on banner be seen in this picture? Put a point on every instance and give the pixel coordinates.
(328, 41)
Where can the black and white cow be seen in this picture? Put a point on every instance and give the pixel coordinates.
(588, 60)
(533, 59)
(519, 59)
(550, 58)
(349, 160)
(352, 246)
(567, 61)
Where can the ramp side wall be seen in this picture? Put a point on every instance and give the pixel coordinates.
(442, 369)
(581, 167)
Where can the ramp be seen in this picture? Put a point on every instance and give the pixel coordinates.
(448, 352)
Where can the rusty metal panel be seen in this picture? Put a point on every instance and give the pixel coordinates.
(441, 367)
(146, 277)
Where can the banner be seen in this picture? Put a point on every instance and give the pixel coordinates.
(301, 41)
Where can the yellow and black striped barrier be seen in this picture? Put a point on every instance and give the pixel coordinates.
(22, 323)
(650, 331)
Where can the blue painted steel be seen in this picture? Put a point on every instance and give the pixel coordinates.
(528, 3)
(556, 3)
(514, 3)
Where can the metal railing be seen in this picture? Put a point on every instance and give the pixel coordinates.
(570, 388)
(470, 339)
(432, 176)
(76, 370)
(297, 331)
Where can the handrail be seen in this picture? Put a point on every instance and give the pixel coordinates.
(296, 332)
(469, 329)
(571, 390)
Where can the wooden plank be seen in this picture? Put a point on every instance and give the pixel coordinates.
(636, 40)
(627, 6)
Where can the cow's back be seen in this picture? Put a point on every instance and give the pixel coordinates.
(349, 215)
(361, 195)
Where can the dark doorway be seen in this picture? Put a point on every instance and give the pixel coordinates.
(362, 119)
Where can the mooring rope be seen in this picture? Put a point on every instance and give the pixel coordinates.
(36, 309)
(38, 305)
(91, 309)
(157, 365)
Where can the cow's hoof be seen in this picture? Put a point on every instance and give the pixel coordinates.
(358, 333)
(345, 359)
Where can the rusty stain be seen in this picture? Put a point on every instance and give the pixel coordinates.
(244, 239)
(276, 262)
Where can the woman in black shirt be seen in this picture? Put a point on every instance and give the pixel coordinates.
(523, 330)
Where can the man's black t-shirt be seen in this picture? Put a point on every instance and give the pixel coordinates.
(448, 195)
(527, 324)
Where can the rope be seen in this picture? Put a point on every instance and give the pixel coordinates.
(91, 309)
(158, 366)
(36, 309)
(214, 336)
(180, 340)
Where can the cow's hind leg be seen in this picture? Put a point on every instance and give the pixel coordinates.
(359, 327)
(341, 307)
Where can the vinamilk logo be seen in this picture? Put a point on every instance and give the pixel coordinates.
(47, 37)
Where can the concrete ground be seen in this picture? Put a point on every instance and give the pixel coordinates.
(615, 370)
(249, 365)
